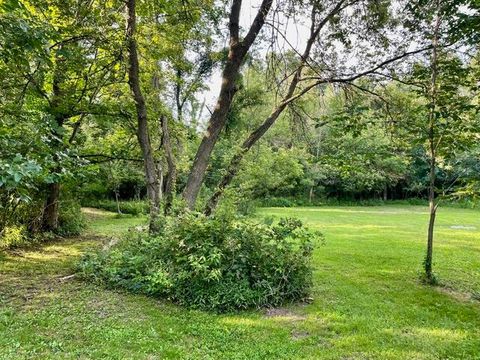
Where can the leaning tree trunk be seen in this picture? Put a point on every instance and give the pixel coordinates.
(234, 165)
(236, 55)
(151, 175)
(216, 124)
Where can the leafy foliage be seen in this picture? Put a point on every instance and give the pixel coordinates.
(71, 220)
(12, 236)
(216, 264)
(17, 180)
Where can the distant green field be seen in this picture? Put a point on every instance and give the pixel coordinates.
(368, 302)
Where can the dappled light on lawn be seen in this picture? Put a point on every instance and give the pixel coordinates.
(367, 301)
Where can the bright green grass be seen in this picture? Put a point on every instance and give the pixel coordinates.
(368, 303)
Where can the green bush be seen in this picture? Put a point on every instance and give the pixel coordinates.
(215, 264)
(71, 221)
(12, 236)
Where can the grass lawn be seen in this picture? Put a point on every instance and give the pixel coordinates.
(368, 302)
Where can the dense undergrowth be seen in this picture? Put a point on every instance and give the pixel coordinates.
(23, 229)
(220, 264)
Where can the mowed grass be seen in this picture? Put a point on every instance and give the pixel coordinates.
(368, 302)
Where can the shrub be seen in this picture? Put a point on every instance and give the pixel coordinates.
(12, 236)
(71, 221)
(215, 264)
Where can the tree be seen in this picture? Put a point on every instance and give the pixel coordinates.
(450, 125)
(151, 170)
(71, 66)
(446, 123)
(169, 34)
(238, 49)
(331, 25)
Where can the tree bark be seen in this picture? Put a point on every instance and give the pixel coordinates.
(237, 51)
(178, 91)
(51, 209)
(117, 201)
(151, 170)
(52, 206)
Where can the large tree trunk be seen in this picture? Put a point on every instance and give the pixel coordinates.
(51, 209)
(151, 171)
(216, 124)
(236, 55)
(52, 205)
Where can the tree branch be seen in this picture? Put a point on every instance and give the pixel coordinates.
(257, 23)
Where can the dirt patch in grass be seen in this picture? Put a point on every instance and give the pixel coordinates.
(459, 295)
(94, 214)
(299, 334)
(463, 227)
(284, 313)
